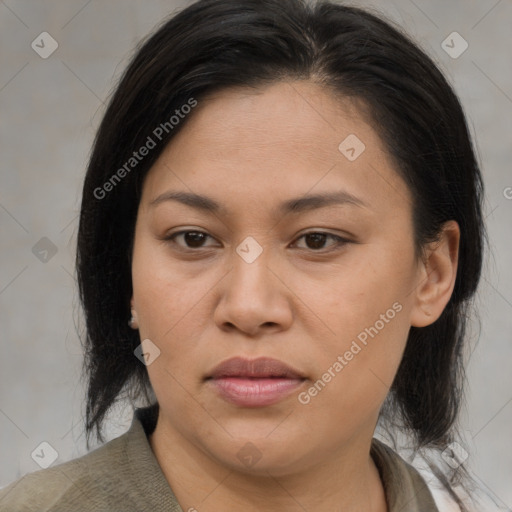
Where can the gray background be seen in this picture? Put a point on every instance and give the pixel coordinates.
(50, 109)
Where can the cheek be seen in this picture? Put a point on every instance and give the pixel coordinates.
(174, 311)
(354, 379)
(163, 293)
(367, 311)
(368, 292)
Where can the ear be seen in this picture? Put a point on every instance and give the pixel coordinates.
(436, 276)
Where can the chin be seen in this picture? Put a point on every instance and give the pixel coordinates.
(260, 455)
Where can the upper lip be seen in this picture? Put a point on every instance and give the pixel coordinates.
(257, 368)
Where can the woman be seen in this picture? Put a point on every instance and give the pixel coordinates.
(280, 234)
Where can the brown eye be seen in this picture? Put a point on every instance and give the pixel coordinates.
(192, 239)
(316, 240)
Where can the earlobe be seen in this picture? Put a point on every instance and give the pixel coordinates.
(436, 276)
(133, 322)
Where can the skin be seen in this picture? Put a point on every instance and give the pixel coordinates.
(297, 302)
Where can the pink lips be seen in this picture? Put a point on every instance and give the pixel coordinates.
(254, 383)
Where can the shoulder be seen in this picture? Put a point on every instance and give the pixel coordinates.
(423, 491)
(85, 483)
(123, 475)
(404, 486)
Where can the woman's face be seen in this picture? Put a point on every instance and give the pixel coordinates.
(268, 277)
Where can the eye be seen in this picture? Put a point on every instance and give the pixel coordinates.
(193, 239)
(315, 240)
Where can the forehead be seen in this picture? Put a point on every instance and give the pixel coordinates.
(280, 140)
(301, 116)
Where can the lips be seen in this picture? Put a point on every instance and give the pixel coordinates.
(254, 383)
(262, 367)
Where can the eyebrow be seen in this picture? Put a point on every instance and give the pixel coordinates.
(296, 205)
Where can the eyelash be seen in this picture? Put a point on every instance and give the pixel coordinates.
(340, 241)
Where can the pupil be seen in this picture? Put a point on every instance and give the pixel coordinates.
(318, 240)
(193, 238)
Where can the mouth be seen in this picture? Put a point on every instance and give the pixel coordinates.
(254, 383)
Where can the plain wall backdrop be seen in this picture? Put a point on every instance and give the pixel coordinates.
(49, 111)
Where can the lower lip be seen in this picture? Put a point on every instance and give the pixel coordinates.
(246, 392)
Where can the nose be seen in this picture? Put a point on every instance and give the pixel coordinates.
(254, 298)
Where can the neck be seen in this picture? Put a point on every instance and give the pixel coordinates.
(347, 480)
